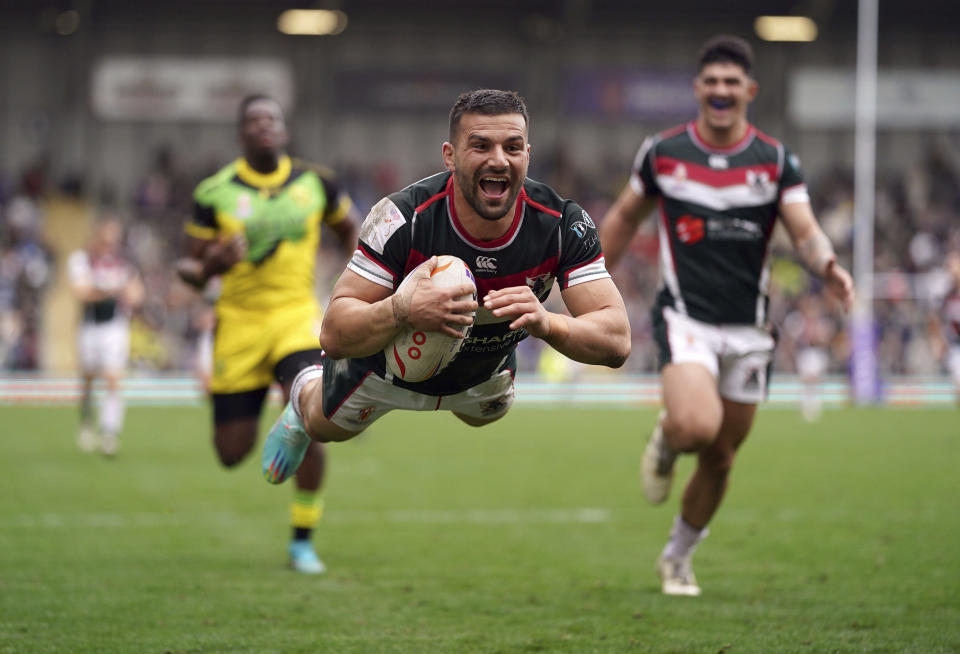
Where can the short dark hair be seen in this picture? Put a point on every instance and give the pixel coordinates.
(249, 100)
(724, 48)
(489, 102)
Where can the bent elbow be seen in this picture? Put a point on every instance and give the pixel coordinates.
(619, 355)
(331, 344)
(332, 352)
(620, 359)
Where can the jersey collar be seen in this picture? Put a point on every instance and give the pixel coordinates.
(264, 180)
(736, 148)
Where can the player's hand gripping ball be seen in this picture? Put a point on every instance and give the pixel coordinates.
(416, 355)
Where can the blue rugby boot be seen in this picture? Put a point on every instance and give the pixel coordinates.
(304, 559)
(285, 446)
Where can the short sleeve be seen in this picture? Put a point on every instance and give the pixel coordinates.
(338, 201)
(203, 222)
(581, 258)
(643, 179)
(793, 188)
(384, 245)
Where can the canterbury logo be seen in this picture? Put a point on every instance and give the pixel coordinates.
(487, 263)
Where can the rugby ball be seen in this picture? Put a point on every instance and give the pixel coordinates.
(416, 355)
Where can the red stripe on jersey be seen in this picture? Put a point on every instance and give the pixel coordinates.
(766, 138)
(497, 242)
(487, 284)
(673, 131)
(446, 191)
(372, 258)
(537, 205)
(710, 176)
(566, 276)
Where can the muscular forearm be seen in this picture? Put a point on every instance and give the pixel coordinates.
(601, 337)
(354, 328)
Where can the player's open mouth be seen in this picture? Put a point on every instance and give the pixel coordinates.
(494, 186)
(718, 103)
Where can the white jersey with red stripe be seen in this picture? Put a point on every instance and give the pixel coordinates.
(718, 208)
(550, 240)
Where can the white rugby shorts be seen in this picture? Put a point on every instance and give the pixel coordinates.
(738, 356)
(104, 347)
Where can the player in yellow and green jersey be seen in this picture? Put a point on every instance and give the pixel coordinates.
(257, 224)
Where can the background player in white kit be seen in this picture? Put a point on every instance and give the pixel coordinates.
(109, 289)
(812, 331)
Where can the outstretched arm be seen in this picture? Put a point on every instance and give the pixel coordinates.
(596, 332)
(620, 224)
(816, 251)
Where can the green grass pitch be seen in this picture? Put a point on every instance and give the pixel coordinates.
(530, 535)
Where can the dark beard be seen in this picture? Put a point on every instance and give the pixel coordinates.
(487, 213)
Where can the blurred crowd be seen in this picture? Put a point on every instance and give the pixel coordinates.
(917, 223)
(26, 266)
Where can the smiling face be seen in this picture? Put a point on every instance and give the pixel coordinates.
(723, 90)
(489, 160)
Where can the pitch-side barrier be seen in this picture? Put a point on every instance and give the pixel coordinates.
(612, 390)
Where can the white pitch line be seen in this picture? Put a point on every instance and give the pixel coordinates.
(586, 515)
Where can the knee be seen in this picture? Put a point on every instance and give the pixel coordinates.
(690, 430)
(230, 457)
(233, 443)
(319, 428)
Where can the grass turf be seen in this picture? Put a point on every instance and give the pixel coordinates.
(526, 536)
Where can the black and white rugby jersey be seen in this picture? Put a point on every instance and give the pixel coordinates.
(108, 273)
(718, 208)
(550, 239)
